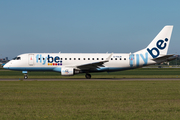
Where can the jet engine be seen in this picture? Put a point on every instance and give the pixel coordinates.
(67, 71)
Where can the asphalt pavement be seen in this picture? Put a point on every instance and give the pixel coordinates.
(113, 79)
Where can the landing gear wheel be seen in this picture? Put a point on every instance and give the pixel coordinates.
(88, 76)
(26, 76)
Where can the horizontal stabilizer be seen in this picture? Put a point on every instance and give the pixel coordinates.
(164, 57)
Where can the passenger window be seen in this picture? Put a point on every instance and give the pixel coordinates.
(88, 58)
(39, 58)
(102, 58)
(65, 58)
(115, 58)
(124, 58)
(97, 58)
(120, 59)
(111, 58)
(74, 58)
(61, 59)
(84, 58)
(69, 58)
(92, 58)
(78, 58)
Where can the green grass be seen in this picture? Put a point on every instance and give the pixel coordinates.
(135, 73)
(90, 100)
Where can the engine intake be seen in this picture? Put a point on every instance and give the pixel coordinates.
(67, 71)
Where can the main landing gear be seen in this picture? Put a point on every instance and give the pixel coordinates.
(88, 76)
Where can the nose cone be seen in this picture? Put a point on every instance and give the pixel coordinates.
(6, 66)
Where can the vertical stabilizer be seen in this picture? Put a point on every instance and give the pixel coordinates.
(162, 40)
(160, 44)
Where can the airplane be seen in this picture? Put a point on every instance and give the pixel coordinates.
(69, 64)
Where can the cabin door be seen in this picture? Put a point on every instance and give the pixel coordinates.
(132, 60)
(31, 59)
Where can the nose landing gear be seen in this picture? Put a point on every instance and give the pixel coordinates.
(25, 74)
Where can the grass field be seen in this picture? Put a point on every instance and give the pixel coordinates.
(90, 100)
(135, 73)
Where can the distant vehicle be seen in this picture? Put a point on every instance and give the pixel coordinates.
(2, 64)
(74, 63)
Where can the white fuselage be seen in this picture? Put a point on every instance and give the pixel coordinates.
(55, 61)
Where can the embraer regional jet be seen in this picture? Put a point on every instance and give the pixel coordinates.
(70, 64)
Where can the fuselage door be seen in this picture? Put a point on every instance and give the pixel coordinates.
(31, 59)
(132, 60)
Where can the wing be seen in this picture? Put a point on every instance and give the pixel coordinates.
(94, 64)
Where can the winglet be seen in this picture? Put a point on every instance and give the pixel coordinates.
(107, 59)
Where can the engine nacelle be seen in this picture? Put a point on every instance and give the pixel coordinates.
(67, 71)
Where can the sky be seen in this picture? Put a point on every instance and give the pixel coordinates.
(85, 26)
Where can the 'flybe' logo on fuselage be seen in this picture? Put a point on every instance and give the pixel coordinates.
(49, 59)
(138, 58)
(159, 45)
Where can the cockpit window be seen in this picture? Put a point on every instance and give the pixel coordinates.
(17, 58)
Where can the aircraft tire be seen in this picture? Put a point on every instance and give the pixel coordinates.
(88, 76)
(25, 77)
